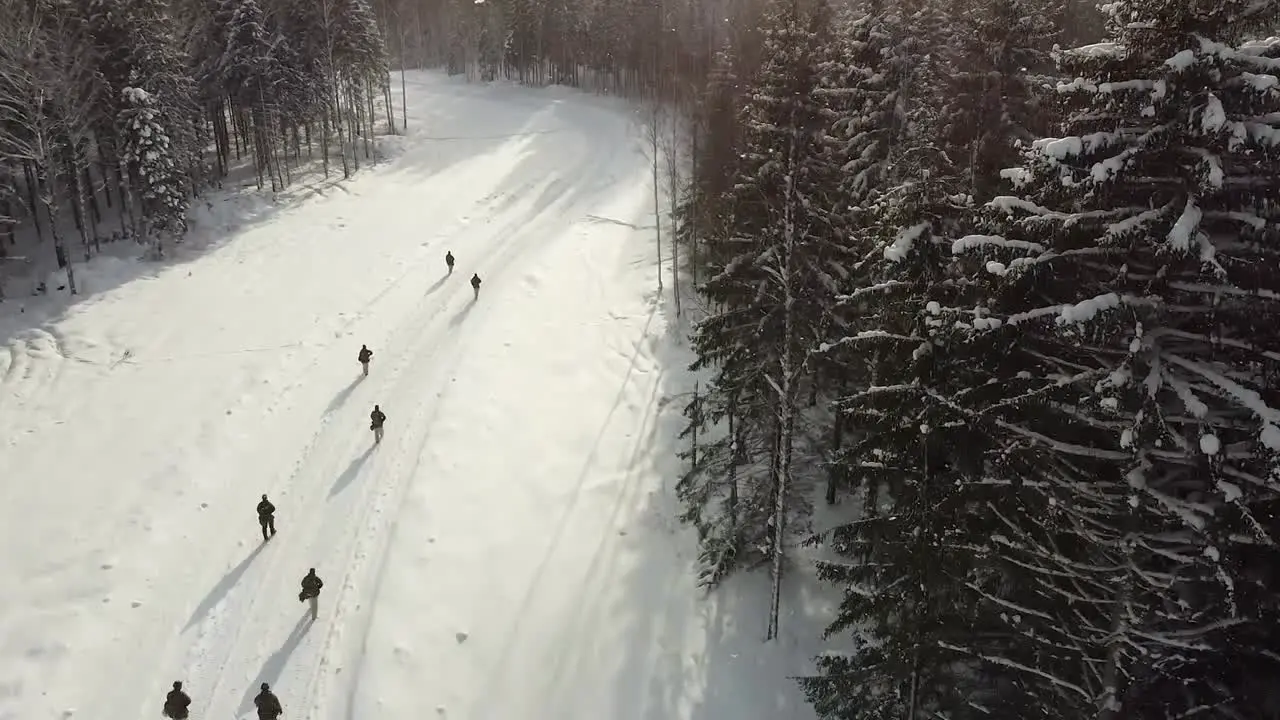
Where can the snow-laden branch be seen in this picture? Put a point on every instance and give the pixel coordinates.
(969, 242)
(1270, 417)
(905, 240)
(866, 335)
(1006, 662)
(871, 289)
(1079, 312)
(1185, 227)
(1064, 447)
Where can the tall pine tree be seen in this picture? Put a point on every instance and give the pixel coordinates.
(1144, 428)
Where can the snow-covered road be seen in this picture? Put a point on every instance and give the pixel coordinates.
(504, 553)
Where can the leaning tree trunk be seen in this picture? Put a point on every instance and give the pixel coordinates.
(129, 205)
(47, 189)
(33, 197)
(785, 387)
(338, 120)
(78, 203)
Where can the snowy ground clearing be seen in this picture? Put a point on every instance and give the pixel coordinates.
(508, 551)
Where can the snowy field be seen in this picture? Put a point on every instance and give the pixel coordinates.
(510, 551)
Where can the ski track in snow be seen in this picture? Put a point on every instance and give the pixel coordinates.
(485, 560)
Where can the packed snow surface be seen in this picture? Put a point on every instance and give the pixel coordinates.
(508, 551)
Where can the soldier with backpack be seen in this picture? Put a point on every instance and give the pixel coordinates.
(364, 357)
(176, 703)
(311, 585)
(267, 518)
(268, 704)
(376, 419)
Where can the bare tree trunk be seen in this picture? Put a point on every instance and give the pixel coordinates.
(696, 420)
(282, 153)
(324, 142)
(222, 134)
(1111, 704)
(404, 100)
(735, 455)
(834, 467)
(33, 197)
(673, 199)
(370, 119)
(47, 189)
(390, 105)
(78, 205)
(123, 187)
(234, 130)
(695, 204)
(128, 203)
(103, 162)
(785, 387)
(95, 211)
(6, 209)
(337, 106)
(655, 134)
(353, 126)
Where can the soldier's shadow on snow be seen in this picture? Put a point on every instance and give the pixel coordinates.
(681, 652)
(274, 666)
(222, 588)
(341, 398)
(439, 284)
(349, 475)
(462, 314)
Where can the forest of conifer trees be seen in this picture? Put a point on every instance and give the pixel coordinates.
(990, 285)
(994, 284)
(123, 110)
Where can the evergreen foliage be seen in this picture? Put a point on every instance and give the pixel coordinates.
(1011, 309)
(1034, 318)
(110, 106)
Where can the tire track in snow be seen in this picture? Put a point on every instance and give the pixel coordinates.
(426, 319)
(236, 595)
(514, 246)
(513, 631)
(366, 540)
(371, 533)
(311, 509)
(509, 250)
(232, 602)
(588, 605)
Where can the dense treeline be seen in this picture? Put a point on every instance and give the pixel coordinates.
(992, 283)
(129, 108)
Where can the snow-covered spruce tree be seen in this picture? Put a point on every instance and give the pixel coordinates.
(299, 91)
(209, 25)
(702, 210)
(710, 489)
(905, 567)
(906, 563)
(1146, 434)
(358, 43)
(249, 71)
(857, 85)
(149, 155)
(138, 51)
(359, 52)
(1001, 55)
(48, 95)
(305, 95)
(770, 301)
(871, 78)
